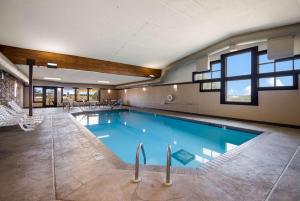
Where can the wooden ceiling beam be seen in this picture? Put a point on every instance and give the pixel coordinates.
(20, 55)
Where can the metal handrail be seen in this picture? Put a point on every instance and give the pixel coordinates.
(137, 162)
(168, 181)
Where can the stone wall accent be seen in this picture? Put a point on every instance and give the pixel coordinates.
(7, 89)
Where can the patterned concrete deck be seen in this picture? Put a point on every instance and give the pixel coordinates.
(58, 162)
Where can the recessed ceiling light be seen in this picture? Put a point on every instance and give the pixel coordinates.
(103, 81)
(151, 75)
(51, 65)
(52, 78)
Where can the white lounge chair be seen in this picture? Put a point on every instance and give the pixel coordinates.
(6, 119)
(24, 116)
(19, 111)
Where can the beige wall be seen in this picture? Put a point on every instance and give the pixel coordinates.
(114, 95)
(278, 106)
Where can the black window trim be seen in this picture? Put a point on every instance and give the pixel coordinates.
(209, 90)
(208, 80)
(208, 71)
(275, 73)
(253, 77)
(34, 101)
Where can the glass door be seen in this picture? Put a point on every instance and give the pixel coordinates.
(50, 97)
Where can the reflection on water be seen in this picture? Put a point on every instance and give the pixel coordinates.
(88, 119)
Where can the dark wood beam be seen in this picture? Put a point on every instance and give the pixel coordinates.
(20, 55)
(30, 63)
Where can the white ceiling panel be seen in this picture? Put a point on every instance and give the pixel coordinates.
(151, 33)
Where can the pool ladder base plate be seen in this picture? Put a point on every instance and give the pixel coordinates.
(168, 184)
(136, 180)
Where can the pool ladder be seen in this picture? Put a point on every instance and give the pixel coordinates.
(168, 181)
(137, 178)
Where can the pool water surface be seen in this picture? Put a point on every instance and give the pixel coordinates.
(192, 143)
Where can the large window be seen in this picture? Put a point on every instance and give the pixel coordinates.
(93, 94)
(239, 75)
(82, 95)
(37, 94)
(239, 82)
(277, 74)
(69, 94)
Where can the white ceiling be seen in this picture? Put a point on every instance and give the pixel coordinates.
(77, 76)
(151, 33)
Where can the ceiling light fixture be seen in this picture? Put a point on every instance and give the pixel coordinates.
(144, 89)
(109, 91)
(51, 65)
(103, 81)
(52, 78)
(151, 75)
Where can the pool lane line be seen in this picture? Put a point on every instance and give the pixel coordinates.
(282, 173)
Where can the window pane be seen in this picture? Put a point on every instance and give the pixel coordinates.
(238, 91)
(263, 58)
(216, 85)
(207, 76)
(267, 82)
(198, 76)
(69, 94)
(266, 68)
(206, 86)
(38, 94)
(82, 95)
(284, 81)
(216, 74)
(238, 64)
(216, 67)
(93, 95)
(284, 65)
(297, 64)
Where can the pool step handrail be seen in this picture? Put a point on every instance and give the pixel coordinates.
(137, 178)
(168, 181)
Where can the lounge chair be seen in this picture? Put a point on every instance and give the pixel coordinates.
(29, 120)
(6, 119)
(17, 110)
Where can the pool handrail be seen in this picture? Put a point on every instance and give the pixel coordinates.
(168, 181)
(137, 162)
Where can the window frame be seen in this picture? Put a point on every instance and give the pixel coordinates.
(63, 93)
(211, 80)
(209, 90)
(34, 94)
(294, 73)
(89, 93)
(252, 76)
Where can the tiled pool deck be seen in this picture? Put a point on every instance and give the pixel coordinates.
(58, 162)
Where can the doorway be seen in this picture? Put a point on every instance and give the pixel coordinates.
(50, 97)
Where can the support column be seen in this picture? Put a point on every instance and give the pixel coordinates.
(30, 63)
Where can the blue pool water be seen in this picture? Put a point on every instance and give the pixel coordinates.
(123, 130)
